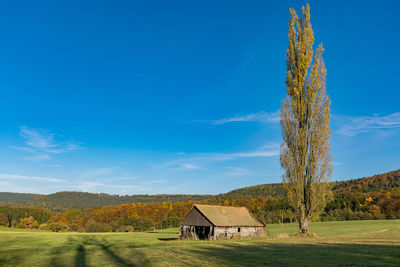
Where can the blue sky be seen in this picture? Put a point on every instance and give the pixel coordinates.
(144, 97)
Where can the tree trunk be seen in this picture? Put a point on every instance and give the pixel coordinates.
(9, 217)
(303, 226)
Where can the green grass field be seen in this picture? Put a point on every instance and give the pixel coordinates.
(350, 243)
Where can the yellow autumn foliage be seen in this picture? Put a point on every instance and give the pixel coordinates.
(305, 115)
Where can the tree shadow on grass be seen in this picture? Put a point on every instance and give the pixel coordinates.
(80, 258)
(104, 245)
(10, 260)
(56, 259)
(266, 254)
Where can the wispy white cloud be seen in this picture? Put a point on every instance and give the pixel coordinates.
(123, 178)
(236, 171)
(7, 186)
(97, 173)
(262, 116)
(186, 166)
(100, 187)
(37, 138)
(185, 163)
(252, 154)
(41, 144)
(157, 181)
(348, 125)
(87, 185)
(38, 157)
(351, 126)
(42, 184)
(105, 174)
(196, 161)
(267, 150)
(15, 177)
(55, 165)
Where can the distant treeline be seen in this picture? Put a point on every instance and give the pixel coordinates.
(264, 190)
(7, 197)
(374, 183)
(376, 197)
(10, 216)
(66, 200)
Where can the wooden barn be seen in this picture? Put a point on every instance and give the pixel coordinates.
(218, 222)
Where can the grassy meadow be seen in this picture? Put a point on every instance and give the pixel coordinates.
(347, 243)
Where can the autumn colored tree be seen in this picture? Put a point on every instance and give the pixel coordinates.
(29, 223)
(3, 220)
(305, 114)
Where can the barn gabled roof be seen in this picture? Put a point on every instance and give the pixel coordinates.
(227, 216)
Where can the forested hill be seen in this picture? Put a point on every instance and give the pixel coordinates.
(373, 183)
(272, 190)
(81, 200)
(17, 197)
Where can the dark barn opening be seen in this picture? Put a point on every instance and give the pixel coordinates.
(202, 232)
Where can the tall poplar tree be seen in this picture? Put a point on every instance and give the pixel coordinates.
(305, 156)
